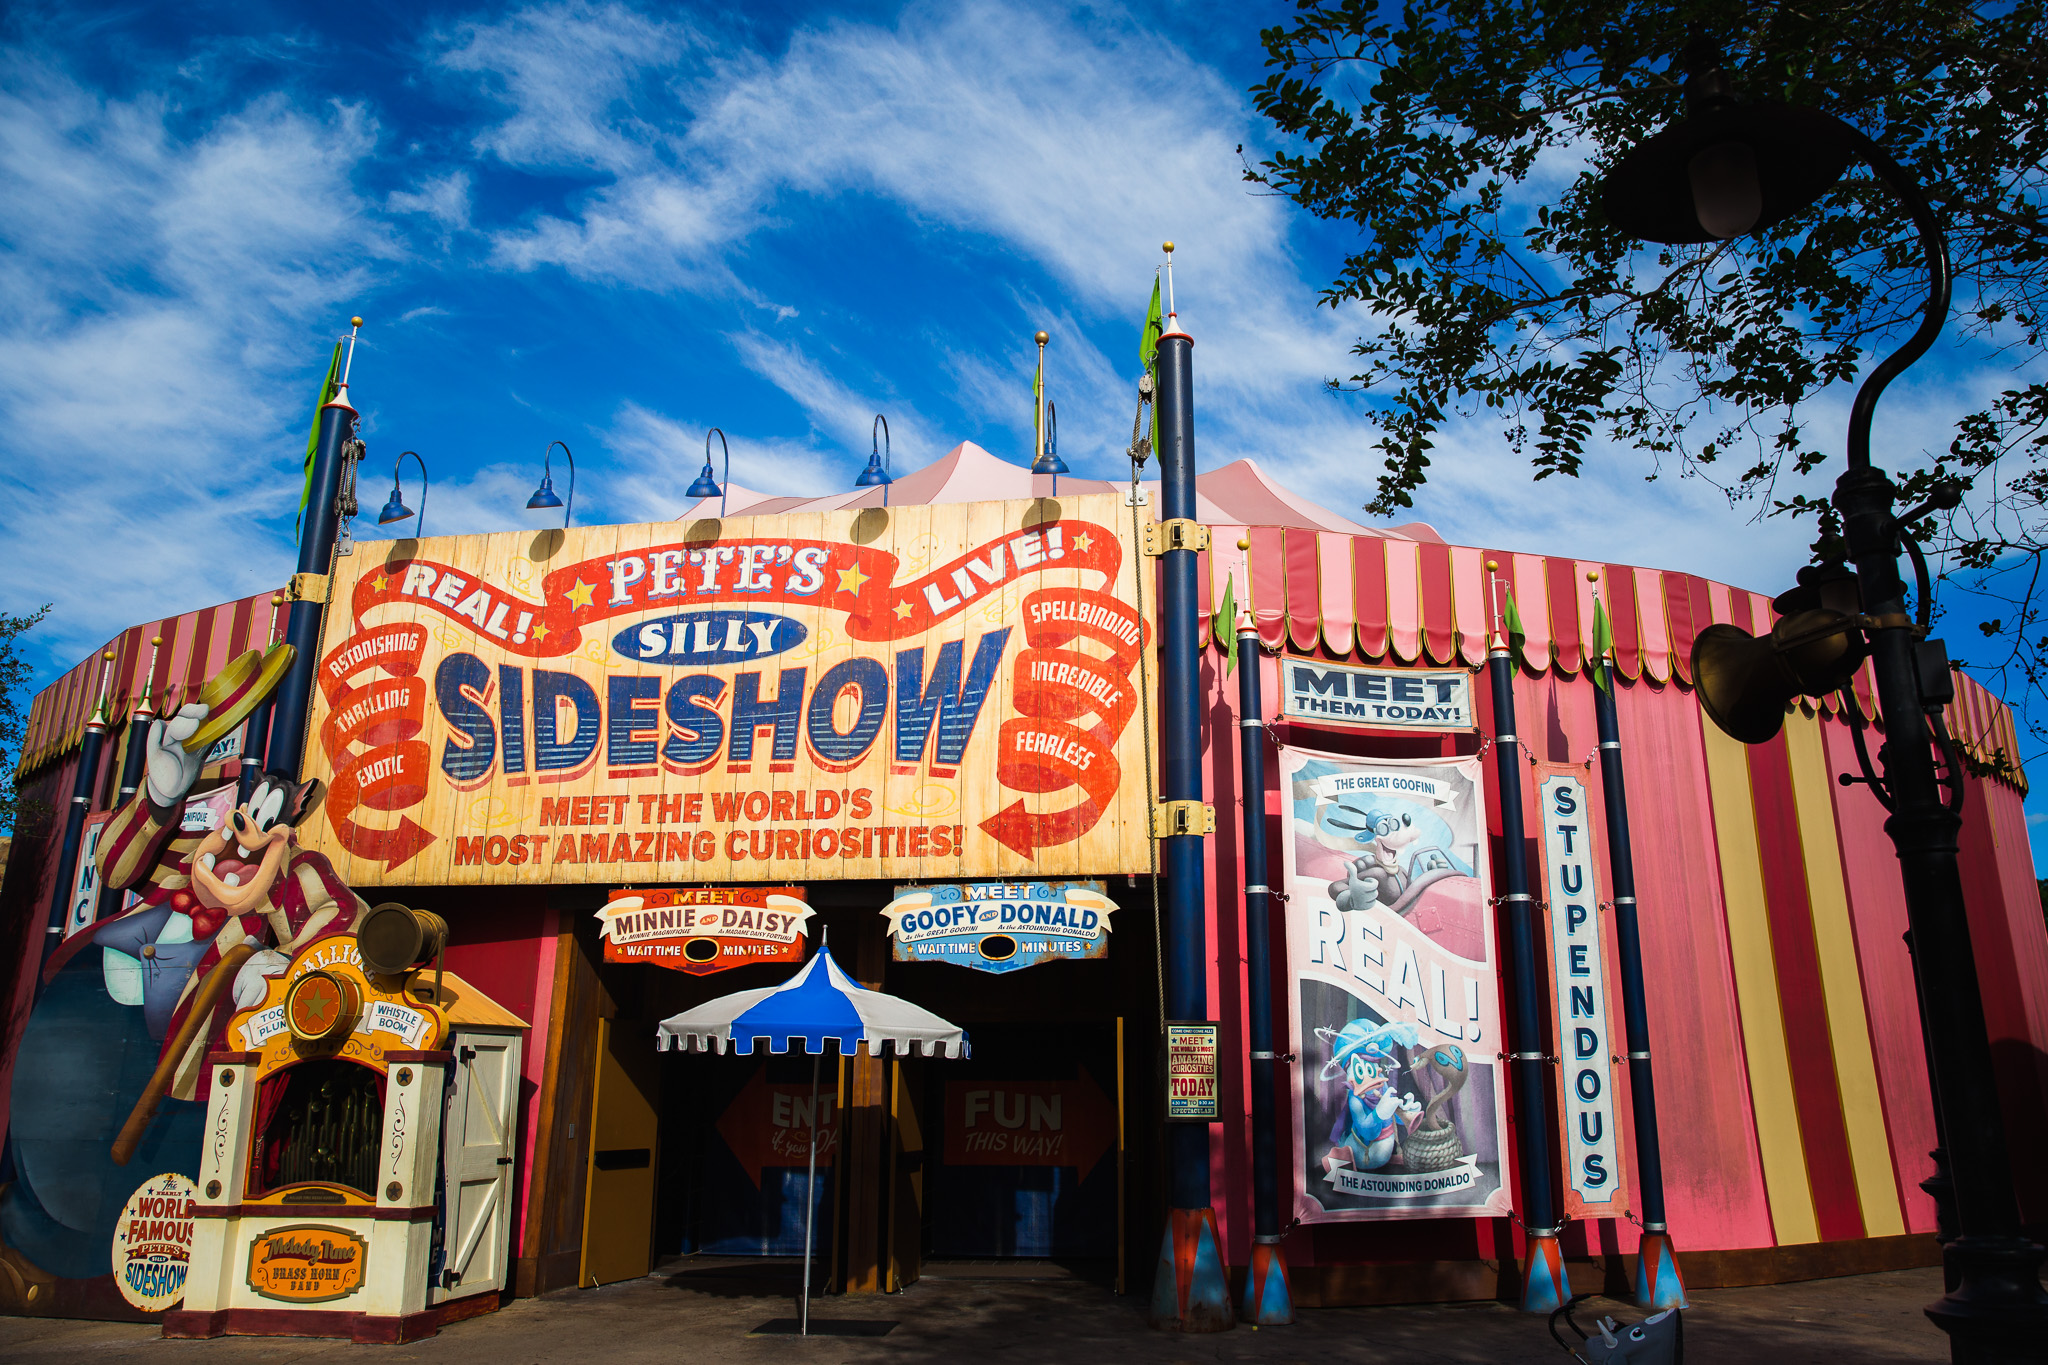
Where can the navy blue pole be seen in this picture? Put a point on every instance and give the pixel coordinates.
(1268, 1299)
(74, 817)
(131, 777)
(287, 741)
(1190, 1292)
(1658, 1285)
(1180, 764)
(255, 748)
(1544, 1285)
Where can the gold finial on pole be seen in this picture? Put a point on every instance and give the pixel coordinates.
(355, 325)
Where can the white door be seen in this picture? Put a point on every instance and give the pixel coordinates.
(476, 1157)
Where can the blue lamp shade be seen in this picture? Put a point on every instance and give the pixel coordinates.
(1049, 463)
(395, 510)
(706, 486)
(545, 495)
(874, 476)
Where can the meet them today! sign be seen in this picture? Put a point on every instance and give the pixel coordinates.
(1376, 698)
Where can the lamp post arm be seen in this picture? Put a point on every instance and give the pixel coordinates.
(569, 504)
(1935, 245)
(419, 526)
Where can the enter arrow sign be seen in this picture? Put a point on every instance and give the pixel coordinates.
(764, 1125)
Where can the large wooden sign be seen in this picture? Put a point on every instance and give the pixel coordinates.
(917, 692)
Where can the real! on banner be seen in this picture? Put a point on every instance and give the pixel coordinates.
(1394, 999)
(920, 692)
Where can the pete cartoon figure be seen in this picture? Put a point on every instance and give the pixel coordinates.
(253, 896)
(1374, 1115)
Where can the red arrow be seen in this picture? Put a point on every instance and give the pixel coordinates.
(754, 1137)
(1022, 832)
(388, 846)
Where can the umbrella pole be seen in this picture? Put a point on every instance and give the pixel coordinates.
(810, 1205)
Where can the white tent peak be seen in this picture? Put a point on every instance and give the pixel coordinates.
(1241, 493)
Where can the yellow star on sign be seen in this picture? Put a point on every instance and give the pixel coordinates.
(903, 610)
(1083, 541)
(540, 632)
(380, 583)
(851, 579)
(580, 595)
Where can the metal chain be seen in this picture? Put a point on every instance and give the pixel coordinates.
(345, 506)
(1138, 562)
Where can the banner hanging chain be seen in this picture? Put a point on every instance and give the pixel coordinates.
(1138, 562)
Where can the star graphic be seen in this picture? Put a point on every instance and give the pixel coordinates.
(540, 632)
(580, 595)
(317, 1005)
(851, 579)
(1083, 541)
(903, 611)
(380, 583)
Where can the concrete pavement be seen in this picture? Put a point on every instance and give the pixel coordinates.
(699, 1312)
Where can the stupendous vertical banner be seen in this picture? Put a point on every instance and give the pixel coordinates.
(1394, 996)
(1589, 1101)
(918, 692)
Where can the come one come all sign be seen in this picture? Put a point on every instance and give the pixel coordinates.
(924, 692)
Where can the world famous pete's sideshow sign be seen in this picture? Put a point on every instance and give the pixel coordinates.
(918, 692)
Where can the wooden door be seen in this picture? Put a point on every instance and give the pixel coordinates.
(476, 1166)
(618, 1209)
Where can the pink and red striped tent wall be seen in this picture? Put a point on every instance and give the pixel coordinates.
(1790, 1070)
(195, 646)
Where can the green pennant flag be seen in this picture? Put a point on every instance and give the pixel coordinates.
(1513, 620)
(1148, 356)
(327, 389)
(1223, 624)
(1603, 647)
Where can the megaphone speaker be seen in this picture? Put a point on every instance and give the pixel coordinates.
(1746, 681)
(395, 938)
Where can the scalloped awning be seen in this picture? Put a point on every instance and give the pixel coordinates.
(1379, 597)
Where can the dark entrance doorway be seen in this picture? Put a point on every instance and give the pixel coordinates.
(1025, 1161)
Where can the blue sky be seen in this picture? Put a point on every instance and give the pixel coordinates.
(618, 224)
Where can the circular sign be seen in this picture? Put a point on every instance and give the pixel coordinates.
(701, 949)
(320, 1005)
(153, 1242)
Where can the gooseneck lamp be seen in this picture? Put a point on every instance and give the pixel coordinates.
(1049, 461)
(545, 495)
(706, 486)
(1725, 169)
(876, 475)
(396, 510)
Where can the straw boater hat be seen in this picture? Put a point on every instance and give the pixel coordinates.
(231, 694)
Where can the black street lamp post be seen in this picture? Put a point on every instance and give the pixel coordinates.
(1724, 170)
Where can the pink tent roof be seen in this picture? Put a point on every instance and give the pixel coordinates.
(1237, 494)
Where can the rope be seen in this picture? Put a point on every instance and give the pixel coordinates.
(1138, 562)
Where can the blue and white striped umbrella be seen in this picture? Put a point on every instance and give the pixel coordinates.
(818, 1003)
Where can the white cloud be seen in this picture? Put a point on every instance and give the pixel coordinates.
(443, 198)
(569, 73)
(155, 343)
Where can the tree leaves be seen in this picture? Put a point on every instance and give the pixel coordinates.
(1466, 138)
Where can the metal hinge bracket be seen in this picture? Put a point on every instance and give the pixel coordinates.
(1176, 533)
(1182, 817)
(306, 587)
